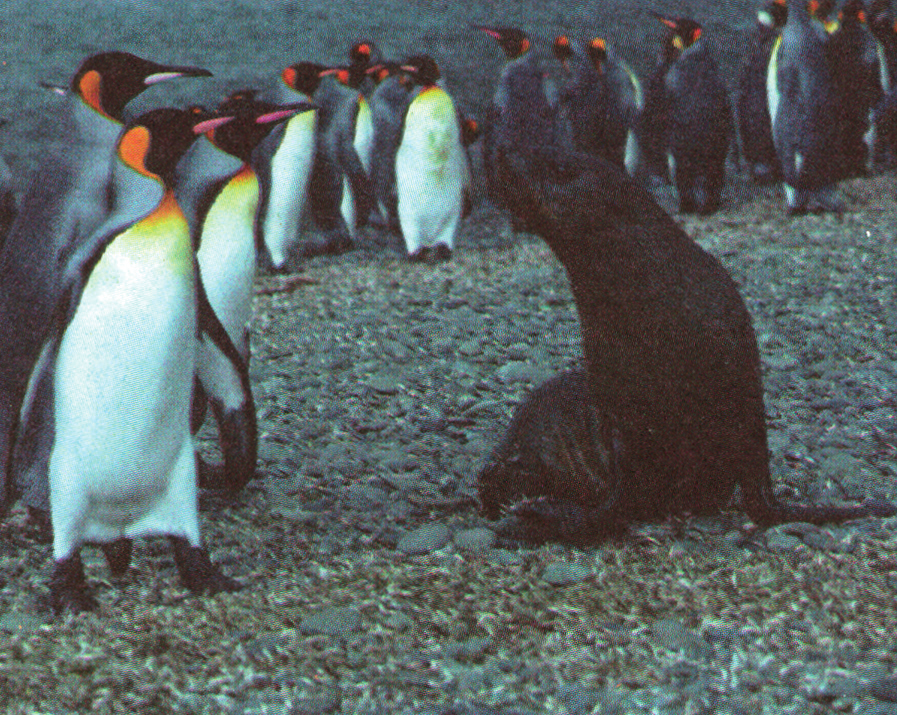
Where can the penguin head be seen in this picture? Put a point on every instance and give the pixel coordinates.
(820, 9)
(364, 53)
(108, 81)
(684, 32)
(562, 49)
(852, 12)
(153, 143)
(252, 121)
(349, 76)
(773, 14)
(303, 77)
(597, 52)
(383, 70)
(470, 131)
(422, 69)
(513, 41)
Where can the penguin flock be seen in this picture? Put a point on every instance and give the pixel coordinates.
(127, 271)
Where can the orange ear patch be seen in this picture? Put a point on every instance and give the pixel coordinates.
(133, 148)
(524, 45)
(289, 77)
(89, 89)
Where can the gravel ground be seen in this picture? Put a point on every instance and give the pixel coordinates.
(373, 586)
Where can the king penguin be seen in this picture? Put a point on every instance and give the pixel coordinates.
(340, 194)
(757, 150)
(285, 159)
(855, 88)
(225, 230)
(432, 173)
(523, 107)
(123, 350)
(65, 202)
(800, 96)
(602, 102)
(388, 103)
(698, 119)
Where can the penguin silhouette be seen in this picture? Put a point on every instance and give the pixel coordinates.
(602, 101)
(754, 129)
(697, 120)
(801, 100)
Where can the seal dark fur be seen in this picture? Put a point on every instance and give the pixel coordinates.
(672, 361)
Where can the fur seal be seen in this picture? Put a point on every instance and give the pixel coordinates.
(673, 369)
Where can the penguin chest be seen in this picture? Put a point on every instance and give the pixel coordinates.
(430, 149)
(364, 133)
(123, 376)
(290, 171)
(772, 81)
(431, 172)
(227, 252)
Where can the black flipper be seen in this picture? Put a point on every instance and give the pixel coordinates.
(225, 378)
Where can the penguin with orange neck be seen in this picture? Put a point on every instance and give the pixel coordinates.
(341, 195)
(431, 169)
(67, 201)
(219, 189)
(697, 118)
(121, 361)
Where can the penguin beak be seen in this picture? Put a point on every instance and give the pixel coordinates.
(167, 73)
(210, 124)
(492, 33)
(285, 112)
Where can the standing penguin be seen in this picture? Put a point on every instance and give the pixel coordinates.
(522, 107)
(855, 88)
(340, 193)
(388, 103)
(65, 202)
(755, 132)
(698, 120)
(285, 159)
(432, 173)
(800, 96)
(602, 102)
(220, 193)
(122, 357)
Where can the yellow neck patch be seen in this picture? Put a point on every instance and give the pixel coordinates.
(89, 89)
(133, 148)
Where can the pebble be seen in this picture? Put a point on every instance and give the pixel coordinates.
(425, 539)
(477, 540)
(334, 621)
(16, 622)
(884, 689)
(673, 635)
(564, 573)
(522, 372)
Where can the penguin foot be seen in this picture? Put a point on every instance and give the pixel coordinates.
(38, 526)
(420, 255)
(68, 587)
(441, 252)
(198, 573)
(331, 246)
(118, 555)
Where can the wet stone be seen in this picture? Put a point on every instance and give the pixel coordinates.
(477, 540)
(425, 540)
(331, 622)
(562, 573)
